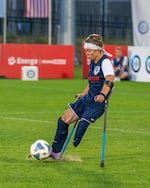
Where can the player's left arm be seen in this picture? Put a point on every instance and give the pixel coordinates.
(108, 84)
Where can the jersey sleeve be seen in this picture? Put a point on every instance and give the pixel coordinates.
(107, 67)
(112, 61)
(125, 61)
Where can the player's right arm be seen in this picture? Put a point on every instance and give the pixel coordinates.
(84, 92)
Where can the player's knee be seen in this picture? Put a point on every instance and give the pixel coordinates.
(81, 129)
(68, 117)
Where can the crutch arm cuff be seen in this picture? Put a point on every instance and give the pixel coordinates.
(109, 84)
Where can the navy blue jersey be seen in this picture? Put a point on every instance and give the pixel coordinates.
(86, 107)
(96, 79)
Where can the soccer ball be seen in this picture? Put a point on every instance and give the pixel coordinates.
(40, 149)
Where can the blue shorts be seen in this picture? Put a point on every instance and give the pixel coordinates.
(89, 111)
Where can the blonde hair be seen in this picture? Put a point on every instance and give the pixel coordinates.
(95, 39)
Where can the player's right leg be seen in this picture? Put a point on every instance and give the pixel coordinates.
(62, 132)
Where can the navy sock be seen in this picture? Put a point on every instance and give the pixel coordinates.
(60, 136)
(81, 128)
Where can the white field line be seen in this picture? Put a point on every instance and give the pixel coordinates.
(124, 131)
(93, 127)
(34, 87)
(25, 112)
(23, 119)
(60, 111)
(132, 94)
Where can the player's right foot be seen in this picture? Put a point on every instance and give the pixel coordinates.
(55, 156)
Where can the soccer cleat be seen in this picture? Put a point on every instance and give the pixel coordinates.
(55, 156)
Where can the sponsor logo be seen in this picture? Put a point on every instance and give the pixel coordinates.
(23, 61)
(26, 61)
(92, 120)
(31, 74)
(96, 70)
(136, 63)
(147, 64)
(54, 61)
(94, 79)
(143, 27)
(11, 60)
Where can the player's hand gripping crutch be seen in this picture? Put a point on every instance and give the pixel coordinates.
(104, 131)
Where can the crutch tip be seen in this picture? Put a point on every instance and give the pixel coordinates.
(102, 164)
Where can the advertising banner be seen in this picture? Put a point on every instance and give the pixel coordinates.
(109, 48)
(29, 73)
(1, 72)
(141, 22)
(139, 68)
(55, 61)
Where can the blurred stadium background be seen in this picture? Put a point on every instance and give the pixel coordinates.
(68, 22)
(29, 110)
(111, 18)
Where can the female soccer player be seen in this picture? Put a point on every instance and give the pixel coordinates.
(90, 104)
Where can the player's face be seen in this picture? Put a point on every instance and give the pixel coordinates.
(118, 53)
(92, 54)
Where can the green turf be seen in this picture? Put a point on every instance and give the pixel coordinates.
(29, 111)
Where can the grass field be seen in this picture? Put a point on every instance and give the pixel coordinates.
(29, 111)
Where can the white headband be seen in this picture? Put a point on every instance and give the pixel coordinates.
(95, 47)
(91, 46)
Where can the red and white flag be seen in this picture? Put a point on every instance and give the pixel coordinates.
(37, 8)
(2, 12)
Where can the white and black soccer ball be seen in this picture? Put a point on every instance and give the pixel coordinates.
(40, 150)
